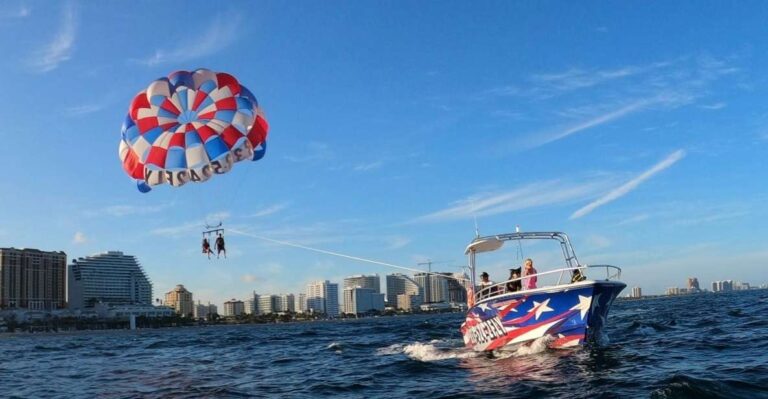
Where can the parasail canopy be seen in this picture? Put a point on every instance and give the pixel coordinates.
(189, 127)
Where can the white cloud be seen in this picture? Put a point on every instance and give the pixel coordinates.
(596, 241)
(248, 278)
(634, 219)
(315, 151)
(60, 48)
(713, 217)
(178, 230)
(364, 167)
(270, 210)
(220, 34)
(630, 185)
(79, 238)
(21, 12)
(715, 106)
(533, 195)
(398, 242)
(546, 138)
(84, 109)
(578, 79)
(125, 210)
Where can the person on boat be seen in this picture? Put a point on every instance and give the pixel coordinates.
(485, 281)
(529, 283)
(515, 284)
(207, 247)
(576, 276)
(220, 246)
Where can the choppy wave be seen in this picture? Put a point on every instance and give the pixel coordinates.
(698, 346)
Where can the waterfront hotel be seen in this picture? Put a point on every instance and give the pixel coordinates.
(32, 279)
(111, 278)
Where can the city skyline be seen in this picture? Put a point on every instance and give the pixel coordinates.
(641, 144)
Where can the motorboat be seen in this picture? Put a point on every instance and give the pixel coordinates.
(569, 305)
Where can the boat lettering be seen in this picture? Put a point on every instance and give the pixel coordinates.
(487, 331)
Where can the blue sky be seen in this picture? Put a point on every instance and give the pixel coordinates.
(641, 130)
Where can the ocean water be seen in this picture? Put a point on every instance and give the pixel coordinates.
(697, 346)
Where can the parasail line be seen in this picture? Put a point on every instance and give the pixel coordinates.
(323, 251)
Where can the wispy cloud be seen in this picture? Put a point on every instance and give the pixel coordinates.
(630, 185)
(21, 12)
(60, 48)
(549, 137)
(634, 219)
(364, 167)
(314, 152)
(397, 242)
(715, 106)
(85, 109)
(184, 229)
(714, 217)
(542, 86)
(623, 92)
(126, 210)
(248, 278)
(270, 210)
(79, 238)
(220, 34)
(533, 195)
(575, 78)
(178, 230)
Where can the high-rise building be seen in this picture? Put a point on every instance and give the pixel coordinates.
(637, 292)
(435, 286)
(363, 281)
(457, 287)
(693, 284)
(110, 278)
(722, 286)
(252, 304)
(408, 302)
(203, 311)
(180, 299)
(287, 303)
(362, 300)
(398, 284)
(301, 303)
(32, 279)
(269, 304)
(323, 297)
(234, 307)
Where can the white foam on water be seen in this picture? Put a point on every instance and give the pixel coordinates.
(538, 345)
(393, 349)
(430, 351)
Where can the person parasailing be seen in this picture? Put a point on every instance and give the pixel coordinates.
(207, 247)
(220, 246)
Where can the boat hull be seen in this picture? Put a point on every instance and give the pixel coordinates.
(572, 315)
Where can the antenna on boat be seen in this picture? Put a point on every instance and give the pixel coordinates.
(474, 216)
(519, 244)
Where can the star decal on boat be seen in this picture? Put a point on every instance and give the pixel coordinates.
(540, 308)
(584, 305)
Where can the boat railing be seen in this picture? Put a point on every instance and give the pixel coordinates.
(611, 273)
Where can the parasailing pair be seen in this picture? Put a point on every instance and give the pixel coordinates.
(188, 127)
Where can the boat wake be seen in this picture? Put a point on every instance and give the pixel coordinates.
(538, 345)
(444, 349)
(435, 350)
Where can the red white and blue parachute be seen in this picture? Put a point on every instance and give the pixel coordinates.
(190, 126)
